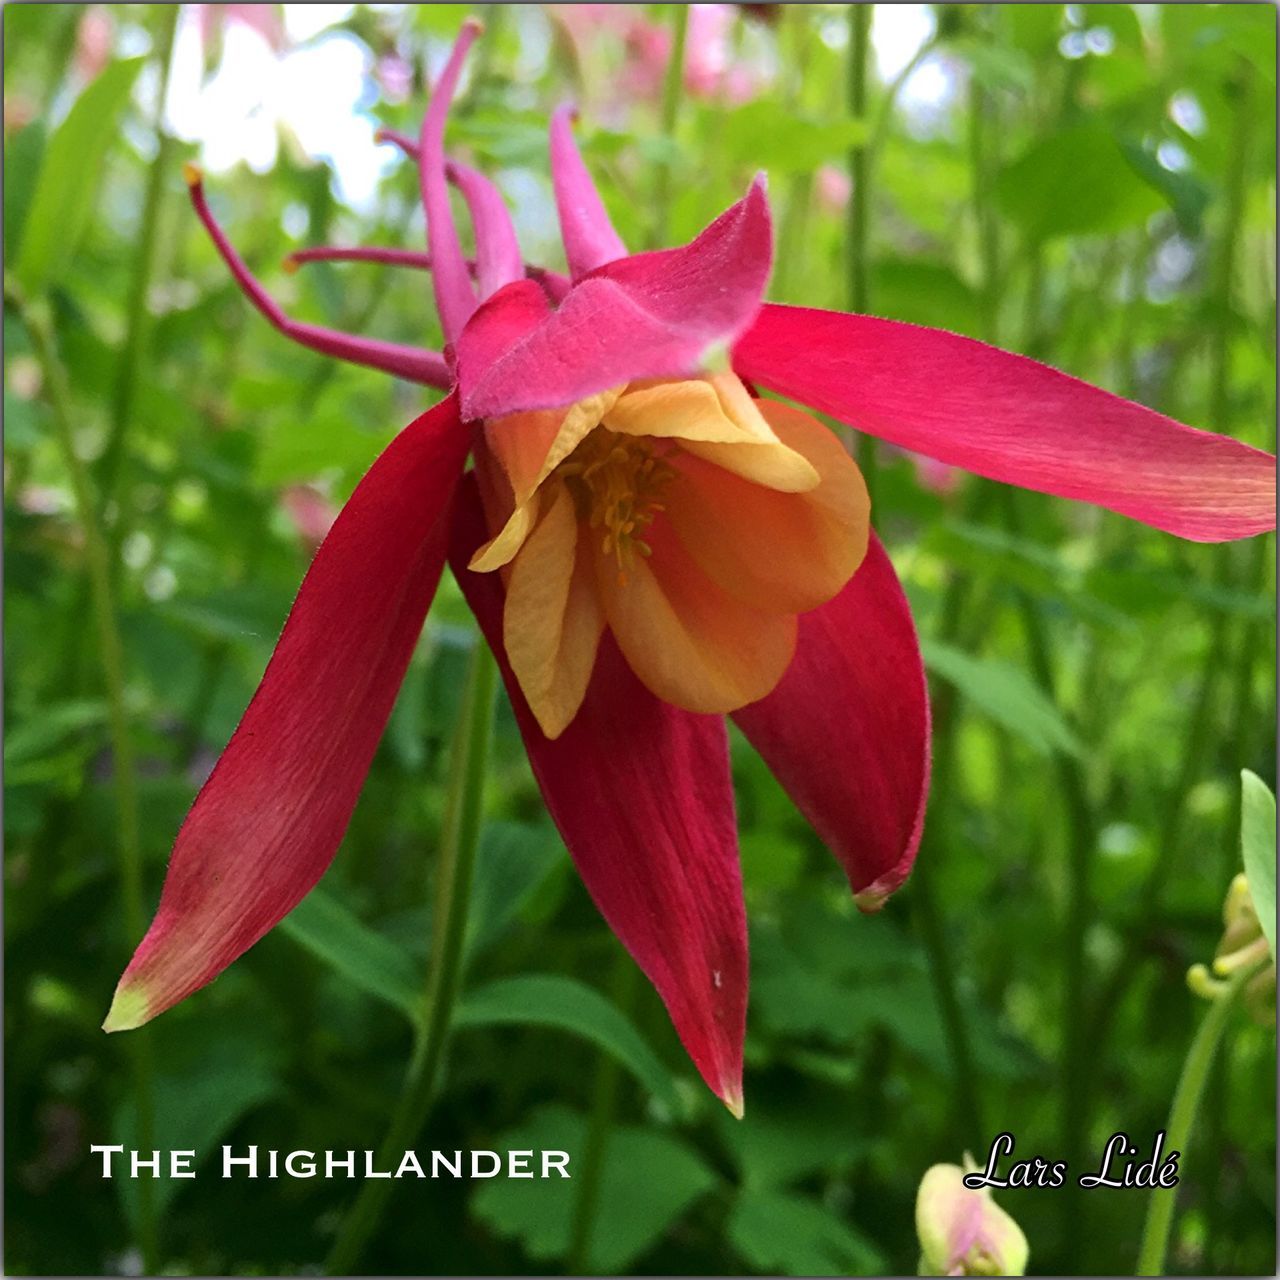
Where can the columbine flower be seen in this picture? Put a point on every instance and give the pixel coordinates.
(646, 546)
(964, 1232)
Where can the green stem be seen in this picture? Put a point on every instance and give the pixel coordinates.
(1182, 1116)
(884, 115)
(124, 771)
(603, 1103)
(859, 289)
(967, 1120)
(859, 56)
(672, 94)
(794, 40)
(459, 841)
(981, 167)
(967, 1111)
(138, 316)
(1196, 744)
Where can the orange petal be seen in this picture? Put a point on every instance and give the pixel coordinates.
(714, 418)
(529, 447)
(688, 640)
(780, 552)
(552, 621)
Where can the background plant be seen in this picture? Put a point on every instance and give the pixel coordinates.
(1092, 185)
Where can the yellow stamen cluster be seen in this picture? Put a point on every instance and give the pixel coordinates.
(617, 482)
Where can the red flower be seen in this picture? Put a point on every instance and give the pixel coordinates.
(591, 544)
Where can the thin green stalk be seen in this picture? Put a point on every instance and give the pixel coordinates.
(794, 39)
(981, 168)
(459, 841)
(859, 286)
(672, 95)
(859, 57)
(884, 115)
(603, 1102)
(1182, 1116)
(967, 1120)
(138, 315)
(1195, 746)
(124, 770)
(967, 1110)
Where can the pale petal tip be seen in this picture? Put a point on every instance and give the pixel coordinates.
(731, 1096)
(871, 899)
(130, 1008)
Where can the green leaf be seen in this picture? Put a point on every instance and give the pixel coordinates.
(923, 292)
(1186, 194)
(513, 861)
(63, 200)
(1258, 845)
(211, 1079)
(305, 448)
(759, 136)
(363, 956)
(44, 733)
(1076, 182)
(647, 1181)
(787, 1137)
(22, 157)
(548, 1000)
(779, 1233)
(1006, 694)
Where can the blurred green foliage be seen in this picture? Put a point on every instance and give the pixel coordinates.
(1090, 184)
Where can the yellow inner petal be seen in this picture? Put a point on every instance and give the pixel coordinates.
(691, 519)
(553, 617)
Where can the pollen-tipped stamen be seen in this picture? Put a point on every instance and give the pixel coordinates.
(411, 363)
(617, 483)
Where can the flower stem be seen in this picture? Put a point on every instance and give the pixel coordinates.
(859, 198)
(603, 1103)
(1182, 1116)
(1200, 726)
(672, 86)
(859, 52)
(137, 321)
(124, 772)
(459, 841)
(967, 1113)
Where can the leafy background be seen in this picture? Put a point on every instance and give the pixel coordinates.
(1090, 184)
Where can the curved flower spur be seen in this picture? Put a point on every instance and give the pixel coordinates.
(647, 547)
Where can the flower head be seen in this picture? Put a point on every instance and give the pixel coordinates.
(964, 1232)
(647, 544)
(1243, 946)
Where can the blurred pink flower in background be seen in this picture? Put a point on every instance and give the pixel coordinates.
(395, 77)
(310, 512)
(712, 67)
(263, 18)
(931, 475)
(834, 188)
(95, 36)
(935, 476)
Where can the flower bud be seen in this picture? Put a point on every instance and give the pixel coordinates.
(1243, 945)
(964, 1232)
